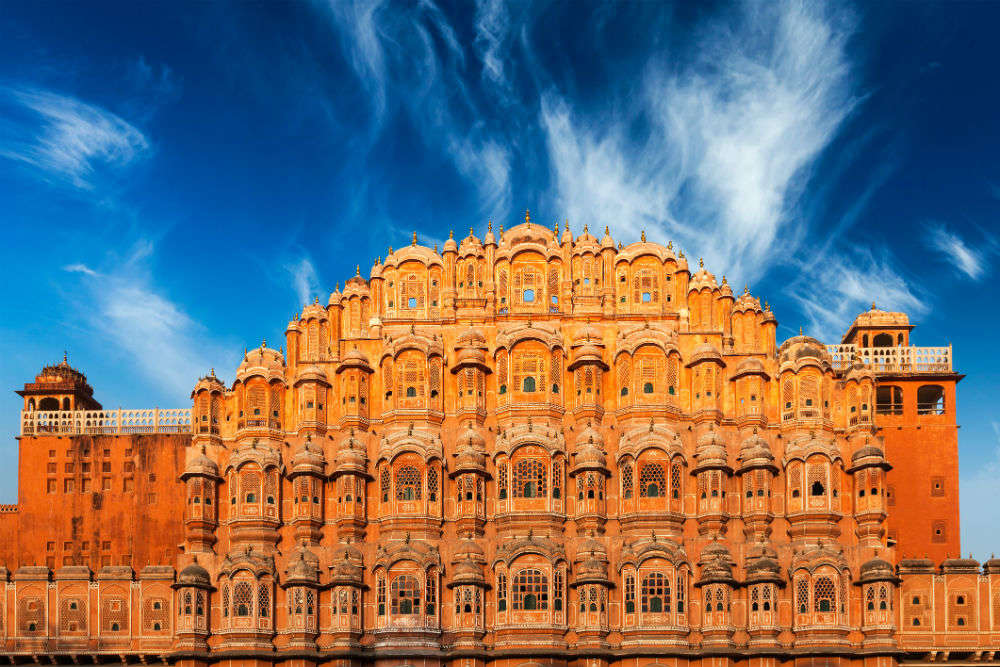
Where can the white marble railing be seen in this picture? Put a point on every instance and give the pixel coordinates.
(105, 422)
(894, 359)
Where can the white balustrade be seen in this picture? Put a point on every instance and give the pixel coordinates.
(908, 359)
(105, 422)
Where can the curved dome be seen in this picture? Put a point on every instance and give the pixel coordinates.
(202, 465)
(262, 361)
(311, 373)
(194, 575)
(751, 366)
(803, 347)
(705, 351)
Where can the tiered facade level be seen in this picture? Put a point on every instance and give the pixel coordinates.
(530, 449)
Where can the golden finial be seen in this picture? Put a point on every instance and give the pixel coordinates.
(607, 231)
(414, 241)
(555, 228)
(767, 306)
(527, 217)
(337, 287)
(701, 263)
(263, 342)
(379, 260)
(316, 302)
(670, 245)
(435, 248)
(470, 231)
(585, 229)
(489, 225)
(873, 304)
(390, 251)
(451, 233)
(800, 330)
(746, 288)
(619, 245)
(682, 255)
(211, 372)
(724, 281)
(643, 236)
(357, 269)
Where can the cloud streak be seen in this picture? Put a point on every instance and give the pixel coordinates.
(65, 138)
(729, 138)
(152, 331)
(965, 260)
(304, 279)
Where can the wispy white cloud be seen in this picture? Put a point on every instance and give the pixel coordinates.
(304, 279)
(80, 268)
(66, 138)
(492, 28)
(150, 330)
(841, 286)
(965, 260)
(729, 138)
(412, 61)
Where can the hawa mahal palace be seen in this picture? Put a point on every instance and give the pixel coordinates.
(533, 449)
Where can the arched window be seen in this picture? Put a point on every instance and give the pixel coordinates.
(407, 483)
(242, 599)
(530, 589)
(405, 595)
(651, 480)
(882, 340)
(655, 593)
(824, 595)
(817, 489)
(889, 400)
(930, 400)
(530, 478)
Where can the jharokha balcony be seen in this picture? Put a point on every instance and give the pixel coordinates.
(902, 359)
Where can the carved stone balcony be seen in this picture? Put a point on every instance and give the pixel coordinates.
(909, 359)
(105, 422)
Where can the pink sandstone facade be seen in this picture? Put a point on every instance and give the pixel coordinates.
(531, 449)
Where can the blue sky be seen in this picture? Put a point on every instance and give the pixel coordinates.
(175, 184)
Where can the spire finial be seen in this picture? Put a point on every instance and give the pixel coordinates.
(65, 357)
(670, 245)
(527, 217)
(357, 269)
(435, 248)
(607, 231)
(470, 231)
(489, 225)
(390, 252)
(555, 228)
(414, 241)
(800, 330)
(873, 304)
(643, 236)
(701, 263)
(451, 233)
(585, 229)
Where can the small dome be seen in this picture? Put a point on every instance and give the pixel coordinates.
(876, 567)
(755, 449)
(262, 361)
(351, 456)
(311, 373)
(468, 548)
(881, 318)
(354, 358)
(308, 458)
(303, 567)
(335, 296)
(803, 347)
(450, 245)
(471, 451)
(868, 451)
(711, 451)
(466, 571)
(751, 366)
(705, 351)
(194, 575)
(201, 465)
(471, 337)
(606, 240)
